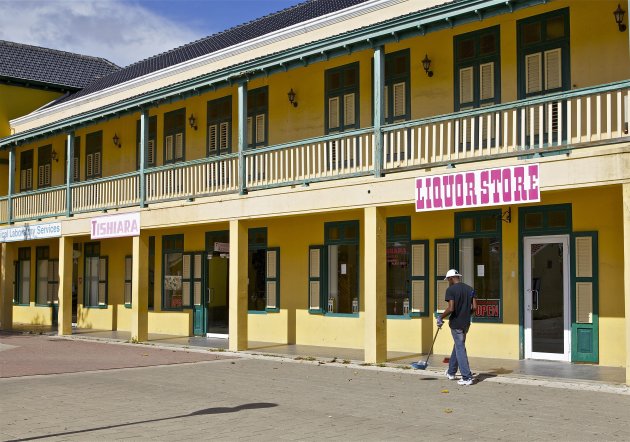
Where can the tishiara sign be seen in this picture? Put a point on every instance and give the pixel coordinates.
(478, 188)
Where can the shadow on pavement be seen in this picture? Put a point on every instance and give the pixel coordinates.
(206, 411)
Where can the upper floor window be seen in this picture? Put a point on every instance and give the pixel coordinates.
(149, 155)
(93, 155)
(543, 53)
(257, 111)
(342, 98)
(477, 69)
(174, 136)
(76, 171)
(220, 126)
(26, 170)
(396, 95)
(44, 165)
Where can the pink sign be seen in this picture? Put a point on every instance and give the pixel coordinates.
(478, 188)
(115, 226)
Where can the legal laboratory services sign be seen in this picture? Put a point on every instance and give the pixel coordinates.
(34, 231)
(478, 188)
(115, 226)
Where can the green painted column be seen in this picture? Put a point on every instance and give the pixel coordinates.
(144, 142)
(64, 319)
(626, 272)
(379, 112)
(6, 286)
(69, 171)
(375, 283)
(11, 186)
(242, 136)
(238, 286)
(139, 288)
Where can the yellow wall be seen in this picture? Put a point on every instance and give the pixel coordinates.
(17, 101)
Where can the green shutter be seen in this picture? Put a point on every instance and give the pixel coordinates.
(272, 282)
(585, 298)
(444, 259)
(419, 303)
(315, 279)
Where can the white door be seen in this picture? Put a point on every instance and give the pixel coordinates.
(547, 302)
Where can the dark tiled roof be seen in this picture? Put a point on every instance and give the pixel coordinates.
(25, 63)
(273, 22)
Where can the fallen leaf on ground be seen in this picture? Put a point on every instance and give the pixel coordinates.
(444, 391)
(448, 410)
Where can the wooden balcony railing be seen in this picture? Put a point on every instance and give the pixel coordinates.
(549, 123)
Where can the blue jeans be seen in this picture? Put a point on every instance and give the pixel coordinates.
(459, 357)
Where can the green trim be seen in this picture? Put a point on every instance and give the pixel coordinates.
(344, 239)
(127, 281)
(256, 312)
(340, 92)
(479, 233)
(94, 145)
(24, 254)
(403, 317)
(401, 240)
(451, 248)
(424, 278)
(217, 104)
(276, 279)
(253, 110)
(169, 245)
(173, 127)
(319, 279)
(341, 315)
(579, 329)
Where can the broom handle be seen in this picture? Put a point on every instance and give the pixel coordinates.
(431, 350)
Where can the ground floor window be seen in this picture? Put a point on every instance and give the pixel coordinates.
(22, 295)
(342, 246)
(173, 259)
(127, 283)
(398, 265)
(257, 263)
(151, 286)
(47, 289)
(95, 270)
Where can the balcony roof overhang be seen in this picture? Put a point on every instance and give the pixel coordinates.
(411, 25)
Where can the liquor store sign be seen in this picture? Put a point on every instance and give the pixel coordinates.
(478, 188)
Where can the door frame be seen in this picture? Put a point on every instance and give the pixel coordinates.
(565, 239)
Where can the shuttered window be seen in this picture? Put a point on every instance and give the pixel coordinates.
(443, 262)
(315, 278)
(396, 92)
(95, 276)
(342, 98)
(22, 288)
(149, 155)
(127, 282)
(93, 155)
(477, 71)
(175, 136)
(585, 323)
(273, 279)
(44, 166)
(263, 272)
(219, 126)
(76, 163)
(419, 278)
(257, 111)
(26, 170)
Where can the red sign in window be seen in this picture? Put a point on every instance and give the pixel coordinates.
(488, 308)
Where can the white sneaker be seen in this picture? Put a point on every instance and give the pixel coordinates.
(449, 376)
(465, 382)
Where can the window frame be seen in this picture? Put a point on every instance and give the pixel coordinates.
(255, 110)
(170, 245)
(93, 250)
(220, 119)
(172, 127)
(44, 158)
(475, 62)
(24, 254)
(257, 246)
(341, 241)
(340, 92)
(94, 145)
(477, 215)
(42, 253)
(26, 163)
(128, 278)
(391, 79)
(405, 240)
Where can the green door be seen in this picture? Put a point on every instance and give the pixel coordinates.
(199, 313)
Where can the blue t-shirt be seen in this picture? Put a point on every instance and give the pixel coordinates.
(462, 295)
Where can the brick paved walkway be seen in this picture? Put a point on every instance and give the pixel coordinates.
(275, 399)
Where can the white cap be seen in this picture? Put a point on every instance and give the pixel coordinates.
(451, 273)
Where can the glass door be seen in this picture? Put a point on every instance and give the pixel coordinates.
(547, 307)
(217, 284)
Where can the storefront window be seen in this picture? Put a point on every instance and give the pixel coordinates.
(398, 265)
(95, 276)
(342, 243)
(173, 247)
(23, 277)
(479, 260)
(257, 259)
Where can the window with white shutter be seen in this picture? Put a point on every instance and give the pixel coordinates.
(466, 88)
(341, 94)
(260, 128)
(396, 91)
(26, 170)
(257, 112)
(93, 154)
(219, 124)
(44, 166)
(175, 136)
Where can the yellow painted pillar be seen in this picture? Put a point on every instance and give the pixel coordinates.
(626, 272)
(375, 283)
(6, 286)
(64, 319)
(140, 289)
(238, 286)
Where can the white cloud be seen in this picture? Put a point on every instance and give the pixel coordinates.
(117, 30)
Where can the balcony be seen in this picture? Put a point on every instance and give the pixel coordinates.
(537, 126)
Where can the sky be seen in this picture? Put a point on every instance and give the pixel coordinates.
(124, 31)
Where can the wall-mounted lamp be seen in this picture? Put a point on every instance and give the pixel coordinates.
(192, 121)
(53, 155)
(116, 141)
(291, 96)
(619, 13)
(426, 64)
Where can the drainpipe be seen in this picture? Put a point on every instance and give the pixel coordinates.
(379, 88)
(242, 135)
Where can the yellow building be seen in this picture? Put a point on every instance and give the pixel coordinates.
(309, 177)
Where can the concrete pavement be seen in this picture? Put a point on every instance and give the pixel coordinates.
(254, 397)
